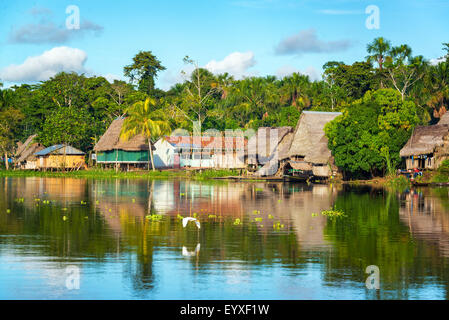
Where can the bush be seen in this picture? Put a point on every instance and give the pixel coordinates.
(444, 167)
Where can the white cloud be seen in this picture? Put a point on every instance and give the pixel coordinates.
(307, 41)
(46, 65)
(236, 64)
(436, 61)
(287, 70)
(111, 77)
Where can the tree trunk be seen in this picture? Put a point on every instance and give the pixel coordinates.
(6, 161)
(151, 155)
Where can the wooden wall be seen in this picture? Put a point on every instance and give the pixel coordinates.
(60, 161)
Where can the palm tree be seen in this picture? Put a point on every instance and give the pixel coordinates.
(143, 119)
(294, 89)
(438, 84)
(378, 49)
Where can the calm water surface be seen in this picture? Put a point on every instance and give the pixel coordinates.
(100, 226)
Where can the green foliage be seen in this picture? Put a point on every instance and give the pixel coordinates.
(144, 70)
(367, 137)
(68, 125)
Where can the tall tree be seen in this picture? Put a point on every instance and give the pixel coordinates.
(142, 118)
(9, 120)
(378, 51)
(144, 70)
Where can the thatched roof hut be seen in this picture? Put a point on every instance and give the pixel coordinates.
(424, 140)
(111, 139)
(262, 145)
(26, 151)
(444, 119)
(310, 141)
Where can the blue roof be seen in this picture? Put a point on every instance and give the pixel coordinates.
(59, 149)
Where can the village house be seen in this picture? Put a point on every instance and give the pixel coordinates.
(112, 151)
(24, 157)
(262, 146)
(60, 157)
(308, 153)
(428, 146)
(200, 152)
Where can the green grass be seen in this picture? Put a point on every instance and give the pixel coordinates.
(398, 182)
(108, 174)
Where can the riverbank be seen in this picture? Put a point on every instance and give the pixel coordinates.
(112, 174)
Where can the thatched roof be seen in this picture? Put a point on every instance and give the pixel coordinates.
(29, 153)
(25, 151)
(265, 141)
(300, 165)
(111, 139)
(424, 140)
(309, 140)
(23, 146)
(444, 119)
(284, 146)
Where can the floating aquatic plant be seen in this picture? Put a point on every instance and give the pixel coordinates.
(154, 217)
(278, 226)
(333, 213)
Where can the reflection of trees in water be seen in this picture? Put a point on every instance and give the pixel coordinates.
(376, 233)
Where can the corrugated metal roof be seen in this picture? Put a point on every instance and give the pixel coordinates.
(59, 149)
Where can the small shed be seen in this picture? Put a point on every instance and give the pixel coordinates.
(60, 156)
(25, 157)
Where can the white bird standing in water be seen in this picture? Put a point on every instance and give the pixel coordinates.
(187, 219)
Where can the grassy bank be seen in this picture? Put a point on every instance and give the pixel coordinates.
(111, 174)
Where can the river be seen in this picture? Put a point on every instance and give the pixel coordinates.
(256, 241)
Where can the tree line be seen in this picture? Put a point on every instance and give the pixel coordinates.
(382, 98)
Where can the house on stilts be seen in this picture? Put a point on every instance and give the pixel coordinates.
(308, 153)
(113, 152)
(428, 146)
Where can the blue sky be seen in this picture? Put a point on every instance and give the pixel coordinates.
(243, 37)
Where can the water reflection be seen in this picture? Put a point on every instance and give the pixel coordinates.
(257, 240)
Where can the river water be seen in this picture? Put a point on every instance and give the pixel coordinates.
(63, 238)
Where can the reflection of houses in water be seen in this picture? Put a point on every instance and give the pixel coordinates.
(427, 219)
(58, 189)
(297, 207)
(293, 206)
(119, 201)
